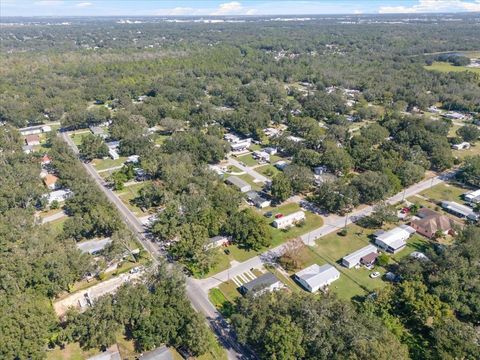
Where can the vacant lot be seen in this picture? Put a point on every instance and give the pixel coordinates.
(247, 159)
(107, 163)
(447, 67)
(445, 192)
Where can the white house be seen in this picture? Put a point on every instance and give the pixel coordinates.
(319, 170)
(113, 154)
(472, 197)
(281, 164)
(462, 146)
(242, 185)
(258, 200)
(393, 240)
(354, 258)
(34, 130)
(93, 246)
(289, 220)
(454, 115)
(217, 241)
(271, 150)
(241, 145)
(261, 156)
(58, 195)
(317, 277)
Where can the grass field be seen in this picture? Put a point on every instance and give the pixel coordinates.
(445, 191)
(128, 194)
(77, 138)
(473, 151)
(447, 67)
(267, 170)
(247, 160)
(103, 164)
(249, 179)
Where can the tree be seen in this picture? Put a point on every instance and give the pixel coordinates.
(337, 159)
(470, 171)
(300, 177)
(372, 186)
(336, 197)
(281, 188)
(283, 341)
(462, 345)
(382, 213)
(249, 230)
(374, 133)
(383, 260)
(409, 173)
(291, 257)
(151, 195)
(469, 133)
(93, 147)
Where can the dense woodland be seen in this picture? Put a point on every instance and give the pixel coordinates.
(200, 81)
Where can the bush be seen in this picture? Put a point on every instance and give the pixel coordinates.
(383, 259)
(343, 232)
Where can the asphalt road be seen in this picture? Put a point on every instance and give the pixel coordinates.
(198, 296)
(248, 170)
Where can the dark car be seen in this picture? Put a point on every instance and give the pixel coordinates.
(268, 214)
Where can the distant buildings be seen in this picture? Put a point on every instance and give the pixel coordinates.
(289, 220)
(263, 283)
(317, 277)
(237, 144)
(431, 223)
(242, 185)
(393, 240)
(356, 257)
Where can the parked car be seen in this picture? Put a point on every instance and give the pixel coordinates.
(374, 274)
(268, 214)
(278, 216)
(226, 251)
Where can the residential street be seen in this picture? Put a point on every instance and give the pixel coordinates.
(197, 296)
(53, 217)
(248, 170)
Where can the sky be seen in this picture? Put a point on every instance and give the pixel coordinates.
(226, 7)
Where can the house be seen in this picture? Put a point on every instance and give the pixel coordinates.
(113, 144)
(289, 220)
(355, 258)
(369, 259)
(98, 131)
(317, 277)
(160, 353)
(217, 241)
(258, 200)
(231, 138)
(319, 170)
(134, 159)
(58, 195)
(270, 150)
(263, 283)
(35, 130)
(393, 240)
(472, 197)
(45, 160)
(32, 140)
(142, 98)
(459, 210)
(50, 181)
(261, 156)
(281, 165)
(93, 246)
(295, 138)
(242, 185)
(431, 222)
(241, 145)
(462, 146)
(453, 115)
(113, 154)
(112, 353)
(271, 132)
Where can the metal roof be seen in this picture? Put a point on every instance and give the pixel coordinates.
(316, 275)
(260, 282)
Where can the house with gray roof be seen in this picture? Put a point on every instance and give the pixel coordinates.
(242, 185)
(265, 282)
(317, 277)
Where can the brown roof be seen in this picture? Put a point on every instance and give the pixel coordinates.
(434, 222)
(368, 259)
(31, 138)
(50, 179)
(426, 212)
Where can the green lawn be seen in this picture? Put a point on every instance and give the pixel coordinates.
(415, 243)
(249, 179)
(445, 191)
(57, 225)
(128, 194)
(267, 170)
(473, 151)
(447, 67)
(77, 138)
(234, 169)
(160, 139)
(247, 160)
(103, 164)
(70, 352)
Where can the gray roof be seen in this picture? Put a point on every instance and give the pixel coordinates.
(161, 353)
(457, 208)
(357, 255)
(260, 282)
(237, 182)
(94, 245)
(316, 275)
(97, 130)
(106, 355)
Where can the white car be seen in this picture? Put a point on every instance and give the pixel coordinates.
(374, 274)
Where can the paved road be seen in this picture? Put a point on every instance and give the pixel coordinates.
(197, 296)
(248, 170)
(332, 223)
(53, 217)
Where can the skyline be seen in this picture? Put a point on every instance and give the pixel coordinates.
(29, 8)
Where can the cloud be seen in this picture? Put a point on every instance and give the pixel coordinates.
(84, 4)
(49, 3)
(231, 8)
(357, 12)
(428, 6)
